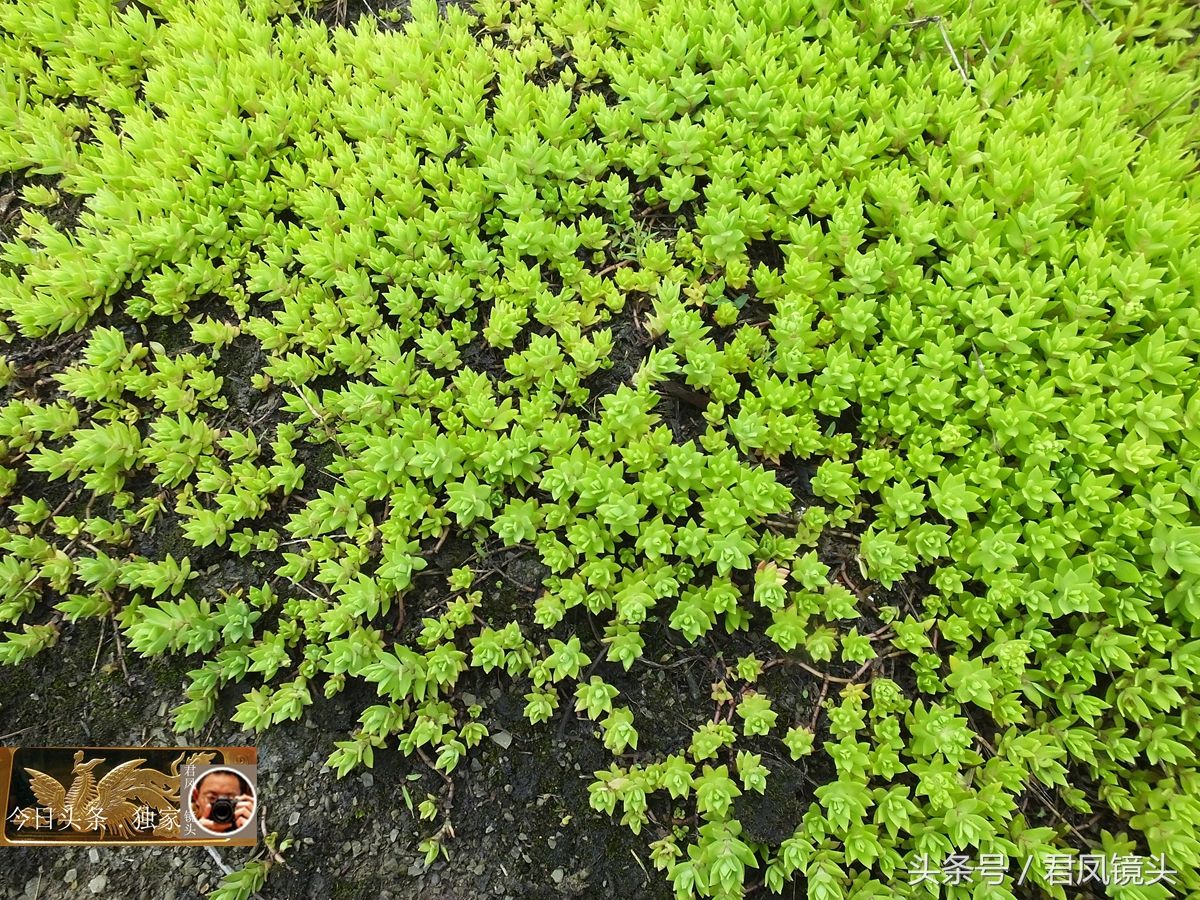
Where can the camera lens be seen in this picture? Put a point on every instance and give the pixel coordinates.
(221, 810)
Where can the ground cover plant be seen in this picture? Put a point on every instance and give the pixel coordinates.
(670, 298)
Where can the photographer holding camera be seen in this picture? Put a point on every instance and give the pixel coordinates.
(221, 802)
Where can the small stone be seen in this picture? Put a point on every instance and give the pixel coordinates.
(93, 856)
(294, 818)
(98, 884)
(71, 877)
(557, 876)
(367, 779)
(503, 738)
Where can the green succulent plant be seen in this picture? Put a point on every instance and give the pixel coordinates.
(856, 345)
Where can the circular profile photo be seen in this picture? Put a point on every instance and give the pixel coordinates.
(222, 801)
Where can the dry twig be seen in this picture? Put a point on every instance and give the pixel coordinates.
(941, 27)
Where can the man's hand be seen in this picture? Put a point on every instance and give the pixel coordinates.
(243, 810)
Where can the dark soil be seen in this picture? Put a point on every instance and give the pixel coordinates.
(521, 818)
(520, 814)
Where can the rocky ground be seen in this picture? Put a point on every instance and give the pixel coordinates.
(522, 824)
(523, 827)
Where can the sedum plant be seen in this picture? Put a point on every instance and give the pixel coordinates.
(923, 278)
